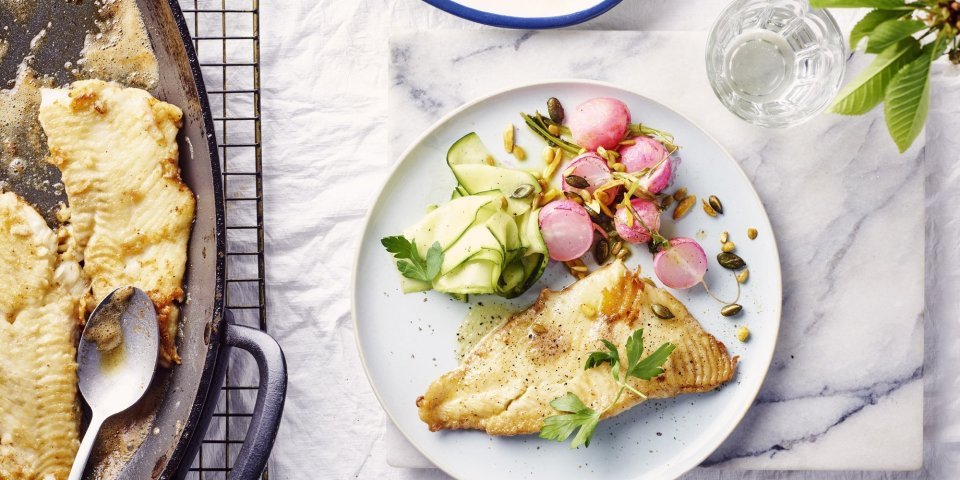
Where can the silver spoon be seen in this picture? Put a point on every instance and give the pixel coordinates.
(116, 359)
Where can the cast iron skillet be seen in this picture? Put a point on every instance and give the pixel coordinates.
(178, 407)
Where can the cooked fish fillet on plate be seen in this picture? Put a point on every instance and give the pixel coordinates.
(506, 383)
(130, 215)
(40, 296)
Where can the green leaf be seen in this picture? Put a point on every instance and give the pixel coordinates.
(434, 260)
(651, 366)
(408, 259)
(560, 427)
(634, 348)
(568, 403)
(907, 98)
(857, 3)
(588, 423)
(891, 32)
(867, 89)
(869, 22)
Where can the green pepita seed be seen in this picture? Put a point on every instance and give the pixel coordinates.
(555, 110)
(576, 181)
(601, 251)
(731, 261)
(715, 203)
(523, 191)
(731, 310)
(661, 311)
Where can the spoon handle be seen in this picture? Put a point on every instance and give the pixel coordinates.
(86, 446)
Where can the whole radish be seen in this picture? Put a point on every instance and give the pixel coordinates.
(566, 229)
(592, 168)
(682, 264)
(643, 227)
(648, 153)
(599, 122)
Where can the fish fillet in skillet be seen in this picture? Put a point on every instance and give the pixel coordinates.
(40, 296)
(129, 213)
(505, 384)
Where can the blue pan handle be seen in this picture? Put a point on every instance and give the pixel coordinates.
(258, 442)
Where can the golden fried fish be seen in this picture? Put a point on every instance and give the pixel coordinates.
(506, 383)
(130, 214)
(40, 308)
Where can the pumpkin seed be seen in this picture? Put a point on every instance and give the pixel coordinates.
(728, 246)
(661, 311)
(743, 276)
(555, 110)
(724, 237)
(709, 209)
(616, 247)
(731, 310)
(730, 261)
(666, 202)
(715, 203)
(683, 207)
(576, 181)
(751, 233)
(508, 138)
(523, 191)
(624, 253)
(680, 194)
(601, 251)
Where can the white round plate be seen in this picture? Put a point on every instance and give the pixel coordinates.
(407, 341)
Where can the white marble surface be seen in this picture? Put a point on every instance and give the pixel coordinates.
(839, 197)
(832, 406)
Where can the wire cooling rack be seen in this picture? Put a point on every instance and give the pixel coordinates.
(226, 37)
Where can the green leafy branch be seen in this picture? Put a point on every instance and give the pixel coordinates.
(410, 263)
(575, 416)
(899, 75)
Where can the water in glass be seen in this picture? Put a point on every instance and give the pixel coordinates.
(775, 63)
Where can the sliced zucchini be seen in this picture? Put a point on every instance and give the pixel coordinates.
(469, 149)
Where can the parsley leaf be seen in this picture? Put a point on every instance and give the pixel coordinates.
(578, 416)
(575, 415)
(409, 262)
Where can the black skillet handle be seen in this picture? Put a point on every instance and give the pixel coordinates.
(258, 442)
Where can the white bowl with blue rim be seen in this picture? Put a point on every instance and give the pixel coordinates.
(526, 14)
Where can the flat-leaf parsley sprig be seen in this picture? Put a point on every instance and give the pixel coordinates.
(409, 262)
(575, 415)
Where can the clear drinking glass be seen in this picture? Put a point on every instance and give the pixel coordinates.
(775, 63)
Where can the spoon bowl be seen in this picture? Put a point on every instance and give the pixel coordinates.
(116, 360)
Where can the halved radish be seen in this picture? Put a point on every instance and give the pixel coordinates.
(566, 229)
(592, 168)
(647, 153)
(599, 122)
(638, 233)
(681, 265)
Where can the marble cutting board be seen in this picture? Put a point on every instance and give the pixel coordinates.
(845, 390)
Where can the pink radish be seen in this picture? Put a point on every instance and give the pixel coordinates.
(567, 230)
(681, 265)
(594, 170)
(638, 233)
(599, 122)
(647, 153)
